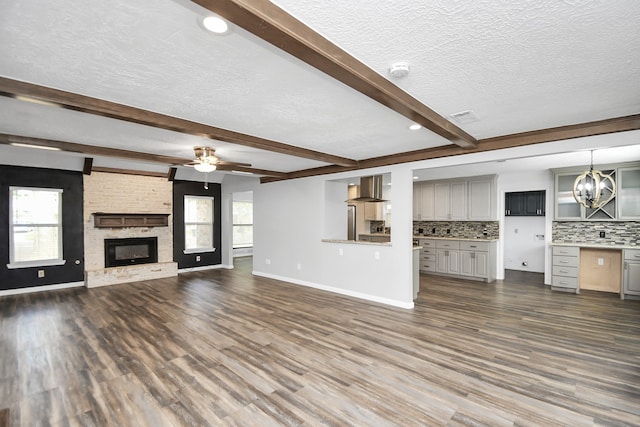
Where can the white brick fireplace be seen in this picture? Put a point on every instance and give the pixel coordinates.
(117, 193)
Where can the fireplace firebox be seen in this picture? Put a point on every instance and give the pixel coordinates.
(137, 250)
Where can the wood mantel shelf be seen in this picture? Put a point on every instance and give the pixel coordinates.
(122, 220)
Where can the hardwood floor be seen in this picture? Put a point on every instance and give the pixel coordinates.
(224, 348)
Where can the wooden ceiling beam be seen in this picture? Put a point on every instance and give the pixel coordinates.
(561, 133)
(272, 24)
(99, 107)
(95, 150)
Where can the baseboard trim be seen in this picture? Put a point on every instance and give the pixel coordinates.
(359, 295)
(33, 289)
(205, 267)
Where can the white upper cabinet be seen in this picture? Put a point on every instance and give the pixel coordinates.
(629, 193)
(456, 200)
(442, 210)
(623, 206)
(482, 200)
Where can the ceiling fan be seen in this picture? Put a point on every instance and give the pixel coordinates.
(207, 161)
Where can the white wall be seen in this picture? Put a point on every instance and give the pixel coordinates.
(292, 218)
(233, 184)
(523, 246)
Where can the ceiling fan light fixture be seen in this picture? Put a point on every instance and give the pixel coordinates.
(204, 167)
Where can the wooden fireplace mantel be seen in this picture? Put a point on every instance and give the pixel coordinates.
(122, 220)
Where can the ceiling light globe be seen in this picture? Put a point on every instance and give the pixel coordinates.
(215, 24)
(204, 167)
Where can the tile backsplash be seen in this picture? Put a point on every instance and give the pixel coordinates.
(460, 229)
(618, 232)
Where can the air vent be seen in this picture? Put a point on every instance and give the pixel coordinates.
(464, 117)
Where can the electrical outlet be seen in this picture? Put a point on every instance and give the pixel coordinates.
(267, 261)
(299, 266)
(448, 231)
(340, 251)
(40, 274)
(602, 234)
(197, 258)
(376, 255)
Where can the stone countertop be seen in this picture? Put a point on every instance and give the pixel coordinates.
(596, 245)
(356, 242)
(374, 234)
(460, 239)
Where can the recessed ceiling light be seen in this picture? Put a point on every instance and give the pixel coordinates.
(415, 177)
(415, 126)
(215, 24)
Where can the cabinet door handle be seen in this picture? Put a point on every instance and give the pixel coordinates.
(564, 262)
(626, 265)
(564, 271)
(562, 282)
(636, 255)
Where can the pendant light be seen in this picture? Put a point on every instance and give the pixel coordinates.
(588, 188)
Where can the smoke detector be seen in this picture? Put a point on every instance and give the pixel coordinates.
(399, 69)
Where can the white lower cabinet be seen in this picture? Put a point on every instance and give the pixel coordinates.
(631, 274)
(474, 259)
(427, 256)
(463, 258)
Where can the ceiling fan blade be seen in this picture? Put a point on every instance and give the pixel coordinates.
(225, 163)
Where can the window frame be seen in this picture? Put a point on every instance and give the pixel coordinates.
(186, 223)
(13, 264)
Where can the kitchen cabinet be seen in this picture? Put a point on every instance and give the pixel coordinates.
(427, 256)
(525, 203)
(629, 193)
(375, 238)
(481, 200)
(565, 268)
(423, 201)
(450, 201)
(470, 259)
(374, 211)
(468, 199)
(447, 256)
(623, 206)
(631, 274)
(474, 259)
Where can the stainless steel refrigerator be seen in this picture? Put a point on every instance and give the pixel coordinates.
(351, 222)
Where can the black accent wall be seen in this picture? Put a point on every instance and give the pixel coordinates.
(72, 226)
(191, 188)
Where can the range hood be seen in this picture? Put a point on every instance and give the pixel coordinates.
(370, 189)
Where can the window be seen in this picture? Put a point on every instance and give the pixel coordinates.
(35, 227)
(242, 224)
(198, 224)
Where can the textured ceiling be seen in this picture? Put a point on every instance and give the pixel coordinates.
(519, 66)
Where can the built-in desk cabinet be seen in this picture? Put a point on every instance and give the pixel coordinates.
(565, 268)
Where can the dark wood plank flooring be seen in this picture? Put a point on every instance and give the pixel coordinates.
(224, 348)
